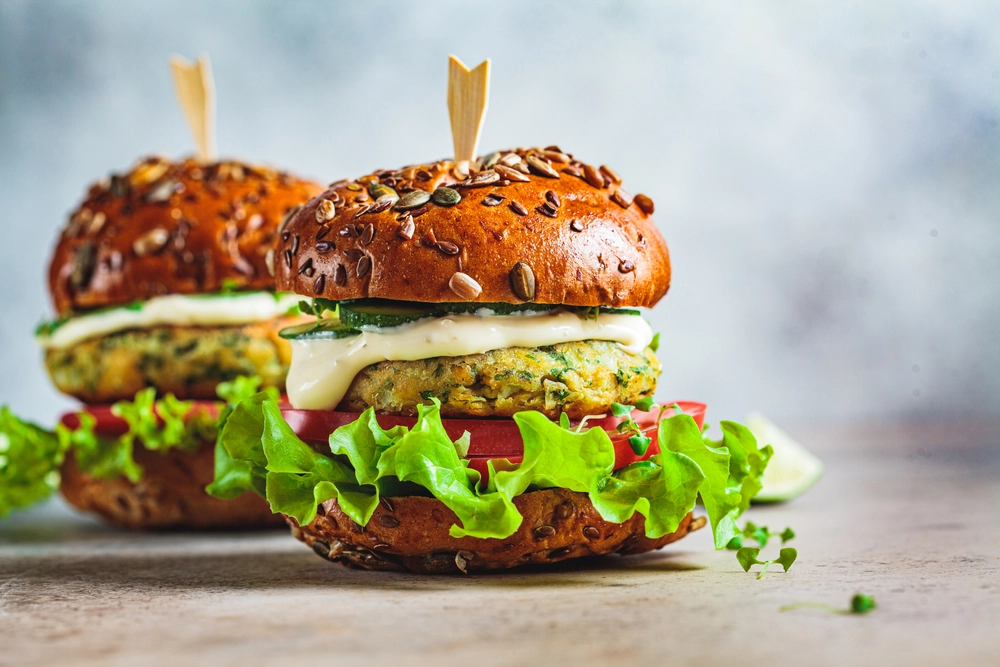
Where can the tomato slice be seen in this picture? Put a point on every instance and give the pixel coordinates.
(492, 438)
(110, 425)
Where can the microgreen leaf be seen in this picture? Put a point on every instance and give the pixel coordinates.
(654, 344)
(747, 556)
(639, 444)
(860, 604)
(619, 410)
(735, 543)
(645, 404)
(786, 535)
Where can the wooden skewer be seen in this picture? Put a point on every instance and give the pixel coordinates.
(196, 94)
(468, 97)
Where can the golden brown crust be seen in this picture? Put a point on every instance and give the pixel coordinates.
(172, 228)
(411, 533)
(170, 495)
(573, 237)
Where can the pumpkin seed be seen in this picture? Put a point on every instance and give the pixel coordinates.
(447, 196)
(414, 199)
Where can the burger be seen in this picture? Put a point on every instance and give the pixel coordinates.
(475, 391)
(164, 297)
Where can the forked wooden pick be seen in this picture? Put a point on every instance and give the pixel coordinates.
(468, 97)
(196, 93)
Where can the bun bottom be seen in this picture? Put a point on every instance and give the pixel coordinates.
(411, 534)
(170, 495)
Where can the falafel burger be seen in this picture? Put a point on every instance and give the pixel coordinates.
(165, 301)
(476, 391)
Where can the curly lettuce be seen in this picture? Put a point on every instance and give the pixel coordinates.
(258, 451)
(31, 456)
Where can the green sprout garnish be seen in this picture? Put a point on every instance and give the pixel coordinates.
(747, 557)
(860, 604)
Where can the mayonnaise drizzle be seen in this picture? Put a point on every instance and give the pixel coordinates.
(322, 369)
(173, 309)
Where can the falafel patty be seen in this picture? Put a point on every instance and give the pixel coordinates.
(188, 361)
(580, 378)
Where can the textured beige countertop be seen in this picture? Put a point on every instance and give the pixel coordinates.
(909, 515)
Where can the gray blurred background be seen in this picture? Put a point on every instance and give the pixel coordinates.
(826, 174)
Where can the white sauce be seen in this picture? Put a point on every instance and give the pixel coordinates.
(322, 370)
(173, 309)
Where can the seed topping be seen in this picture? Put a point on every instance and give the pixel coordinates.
(406, 228)
(553, 199)
(593, 176)
(319, 284)
(413, 199)
(644, 203)
(464, 286)
(517, 208)
(522, 281)
(541, 167)
(621, 198)
(364, 266)
(493, 199)
(150, 242)
(326, 211)
(446, 196)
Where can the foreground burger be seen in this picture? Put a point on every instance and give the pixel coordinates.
(465, 401)
(163, 288)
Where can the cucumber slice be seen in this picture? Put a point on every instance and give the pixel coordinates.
(327, 329)
(381, 313)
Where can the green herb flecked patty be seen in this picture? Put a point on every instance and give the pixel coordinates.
(188, 361)
(578, 378)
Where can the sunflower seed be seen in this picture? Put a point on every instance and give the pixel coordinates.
(288, 258)
(269, 261)
(361, 198)
(340, 275)
(510, 159)
(412, 200)
(364, 266)
(386, 503)
(96, 223)
(307, 267)
(576, 225)
(511, 174)
(544, 531)
(446, 196)
(462, 559)
(593, 176)
(464, 286)
(564, 511)
(626, 266)
(522, 167)
(295, 244)
(406, 228)
(621, 198)
(416, 213)
(368, 234)
(423, 175)
(553, 199)
(546, 210)
(322, 549)
(361, 211)
(591, 533)
(319, 284)
(322, 232)
(324, 247)
(119, 186)
(148, 172)
(610, 175)
(517, 208)
(541, 167)
(573, 171)
(448, 248)
(388, 521)
(84, 262)
(481, 179)
(493, 199)
(645, 203)
(326, 211)
(150, 242)
(383, 203)
(353, 254)
(490, 160)
(556, 156)
(161, 192)
(522, 281)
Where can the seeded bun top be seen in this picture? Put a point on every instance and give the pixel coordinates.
(172, 228)
(526, 225)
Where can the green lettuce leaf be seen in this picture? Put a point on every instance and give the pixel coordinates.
(30, 457)
(366, 461)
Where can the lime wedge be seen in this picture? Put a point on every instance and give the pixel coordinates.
(792, 469)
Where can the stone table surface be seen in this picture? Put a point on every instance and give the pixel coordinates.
(909, 514)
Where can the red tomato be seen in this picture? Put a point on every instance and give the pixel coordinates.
(110, 425)
(492, 438)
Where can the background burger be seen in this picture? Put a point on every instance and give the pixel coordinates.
(163, 290)
(465, 401)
